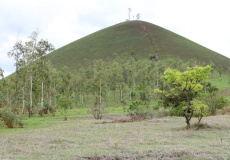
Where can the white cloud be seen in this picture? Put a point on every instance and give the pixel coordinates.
(61, 22)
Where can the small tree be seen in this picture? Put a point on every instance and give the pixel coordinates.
(64, 103)
(98, 109)
(189, 83)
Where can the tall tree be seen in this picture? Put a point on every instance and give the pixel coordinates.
(17, 52)
(25, 55)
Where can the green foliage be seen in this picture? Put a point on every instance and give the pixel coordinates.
(10, 119)
(200, 109)
(98, 109)
(140, 109)
(215, 102)
(64, 103)
(176, 111)
(184, 86)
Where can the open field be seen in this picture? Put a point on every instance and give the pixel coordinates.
(86, 138)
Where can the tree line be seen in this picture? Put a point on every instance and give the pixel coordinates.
(37, 85)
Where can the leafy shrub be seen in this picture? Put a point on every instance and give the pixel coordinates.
(140, 109)
(10, 119)
(97, 109)
(215, 102)
(64, 102)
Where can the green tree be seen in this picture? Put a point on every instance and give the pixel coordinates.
(64, 103)
(17, 52)
(27, 56)
(188, 83)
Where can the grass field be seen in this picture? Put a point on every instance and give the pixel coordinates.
(82, 137)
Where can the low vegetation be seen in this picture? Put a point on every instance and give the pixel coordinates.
(85, 138)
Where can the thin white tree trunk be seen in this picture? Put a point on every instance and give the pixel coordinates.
(23, 99)
(121, 93)
(42, 99)
(50, 101)
(31, 95)
(100, 92)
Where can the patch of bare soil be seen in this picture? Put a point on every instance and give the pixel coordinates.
(151, 155)
(120, 119)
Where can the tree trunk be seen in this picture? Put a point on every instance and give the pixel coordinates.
(199, 118)
(23, 99)
(188, 113)
(16, 87)
(114, 95)
(31, 96)
(50, 99)
(100, 93)
(42, 99)
(121, 93)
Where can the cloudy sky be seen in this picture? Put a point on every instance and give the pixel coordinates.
(63, 21)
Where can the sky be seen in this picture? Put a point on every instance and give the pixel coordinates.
(205, 22)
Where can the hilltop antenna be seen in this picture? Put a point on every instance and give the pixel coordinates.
(129, 11)
(138, 16)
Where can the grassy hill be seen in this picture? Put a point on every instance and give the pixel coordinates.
(138, 37)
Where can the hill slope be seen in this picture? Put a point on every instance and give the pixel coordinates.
(138, 37)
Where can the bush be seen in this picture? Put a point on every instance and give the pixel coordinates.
(64, 102)
(97, 109)
(140, 109)
(10, 119)
(215, 102)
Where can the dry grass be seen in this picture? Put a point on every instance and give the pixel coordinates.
(86, 138)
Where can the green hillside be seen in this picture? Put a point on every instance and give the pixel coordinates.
(138, 37)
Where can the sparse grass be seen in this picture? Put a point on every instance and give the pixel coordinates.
(85, 138)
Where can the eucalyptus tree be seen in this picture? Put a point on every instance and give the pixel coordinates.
(17, 53)
(99, 79)
(82, 84)
(53, 78)
(130, 76)
(144, 80)
(115, 76)
(43, 47)
(25, 55)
